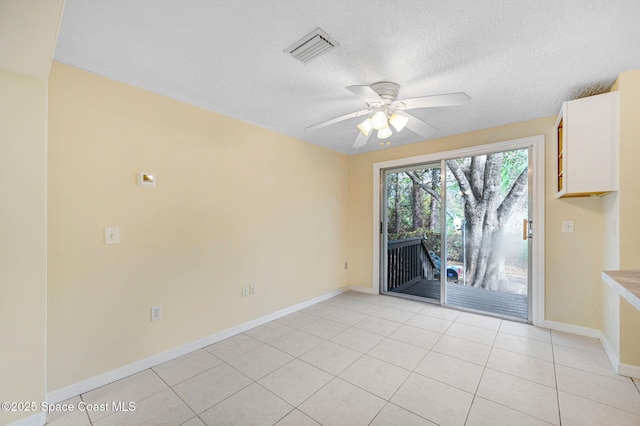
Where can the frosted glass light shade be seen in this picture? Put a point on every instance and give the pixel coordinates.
(384, 133)
(365, 127)
(398, 121)
(379, 120)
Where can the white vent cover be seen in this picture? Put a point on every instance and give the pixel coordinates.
(311, 45)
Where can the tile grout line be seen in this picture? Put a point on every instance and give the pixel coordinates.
(232, 394)
(295, 407)
(413, 371)
(484, 368)
(387, 401)
(334, 376)
(176, 393)
(555, 376)
(533, 357)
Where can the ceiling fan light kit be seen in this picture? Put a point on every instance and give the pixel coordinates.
(379, 120)
(365, 127)
(382, 102)
(384, 133)
(398, 121)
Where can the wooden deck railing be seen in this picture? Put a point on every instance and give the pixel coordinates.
(407, 262)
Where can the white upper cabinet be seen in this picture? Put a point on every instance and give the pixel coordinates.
(587, 146)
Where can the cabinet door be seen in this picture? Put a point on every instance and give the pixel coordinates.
(590, 145)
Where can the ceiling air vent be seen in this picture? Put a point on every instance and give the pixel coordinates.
(311, 45)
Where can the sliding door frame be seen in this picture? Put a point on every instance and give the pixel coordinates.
(536, 176)
(384, 266)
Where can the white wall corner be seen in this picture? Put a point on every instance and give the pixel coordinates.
(611, 353)
(620, 368)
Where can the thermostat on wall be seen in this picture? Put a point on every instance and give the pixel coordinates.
(146, 179)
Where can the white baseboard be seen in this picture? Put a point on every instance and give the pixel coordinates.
(573, 329)
(364, 289)
(35, 420)
(629, 370)
(87, 385)
(620, 368)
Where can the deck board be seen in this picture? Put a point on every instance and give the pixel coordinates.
(497, 302)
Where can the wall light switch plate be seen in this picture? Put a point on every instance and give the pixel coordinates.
(112, 235)
(567, 226)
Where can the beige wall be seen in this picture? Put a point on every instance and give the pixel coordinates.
(22, 240)
(572, 263)
(234, 204)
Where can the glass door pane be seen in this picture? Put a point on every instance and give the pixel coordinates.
(412, 231)
(487, 243)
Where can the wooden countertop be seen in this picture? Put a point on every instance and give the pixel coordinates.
(627, 283)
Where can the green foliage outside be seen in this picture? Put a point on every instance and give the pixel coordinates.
(433, 241)
(413, 212)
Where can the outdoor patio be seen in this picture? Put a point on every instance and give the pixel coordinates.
(497, 302)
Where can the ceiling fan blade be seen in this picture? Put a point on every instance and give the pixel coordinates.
(419, 127)
(337, 119)
(366, 93)
(448, 99)
(361, 140)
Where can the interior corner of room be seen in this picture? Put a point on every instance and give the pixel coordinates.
(217, 225)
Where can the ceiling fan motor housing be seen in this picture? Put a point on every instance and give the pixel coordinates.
(387, 90)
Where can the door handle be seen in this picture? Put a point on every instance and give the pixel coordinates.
(527, 229)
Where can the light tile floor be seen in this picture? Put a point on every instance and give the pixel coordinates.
(359, 359)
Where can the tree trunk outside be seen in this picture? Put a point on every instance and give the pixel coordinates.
(485, 213)
(485, 256)
(433, 217)
(396, 205)
(416, 205)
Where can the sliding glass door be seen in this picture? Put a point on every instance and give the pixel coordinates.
(482, 231)
(487, 234)
(412, 231)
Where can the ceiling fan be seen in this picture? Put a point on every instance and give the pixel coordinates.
(384, 111)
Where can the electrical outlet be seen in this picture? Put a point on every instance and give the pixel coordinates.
(252, 289)
(245, 292)
(112, 235)
(156, 313)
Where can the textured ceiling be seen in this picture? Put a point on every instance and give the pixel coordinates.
(518, 60)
